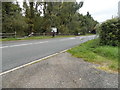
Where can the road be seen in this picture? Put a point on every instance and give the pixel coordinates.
(60, 71)
(17, 53)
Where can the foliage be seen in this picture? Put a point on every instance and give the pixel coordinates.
(12, 20)
(39, 17)
(35, 37)
(109, 32)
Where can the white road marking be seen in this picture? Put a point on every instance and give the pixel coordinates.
(33, 43)
(67, 39)
(23, 44)
(42, 42)
(72, 38)
(36, 61)
(63, 39)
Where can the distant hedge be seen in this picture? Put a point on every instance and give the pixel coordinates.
(109, 32)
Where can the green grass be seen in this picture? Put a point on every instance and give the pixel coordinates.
(40, 37)
(35, 37)
(91, 51)
(9, 39)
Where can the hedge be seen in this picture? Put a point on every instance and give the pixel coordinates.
(109, 32)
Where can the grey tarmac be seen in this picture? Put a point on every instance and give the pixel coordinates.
(60, 71)
(18, 53)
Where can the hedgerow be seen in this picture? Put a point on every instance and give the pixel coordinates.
(109, 32)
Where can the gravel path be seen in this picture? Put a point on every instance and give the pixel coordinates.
(60, 71)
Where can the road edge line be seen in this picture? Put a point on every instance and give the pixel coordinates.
(33, 62)
(36, 61)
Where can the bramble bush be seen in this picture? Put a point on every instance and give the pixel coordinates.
(109, 32)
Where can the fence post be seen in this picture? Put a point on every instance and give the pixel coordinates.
(15, 34)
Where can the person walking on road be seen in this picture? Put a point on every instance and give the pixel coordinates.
(53, 34)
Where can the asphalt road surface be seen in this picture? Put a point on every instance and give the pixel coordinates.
(17, 53)
(60, 71)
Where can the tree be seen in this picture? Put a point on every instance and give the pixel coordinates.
(62, 15)
(88, 24)
(12, 19)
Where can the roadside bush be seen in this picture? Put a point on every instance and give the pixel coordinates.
(109, 32)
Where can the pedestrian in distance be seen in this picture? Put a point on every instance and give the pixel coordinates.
(53, 34)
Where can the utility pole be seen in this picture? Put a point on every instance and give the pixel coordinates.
(119, 9)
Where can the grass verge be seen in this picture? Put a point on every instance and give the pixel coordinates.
(35, 37)
(40, 37)
(90, 51)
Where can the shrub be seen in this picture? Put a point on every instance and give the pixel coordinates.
(109, 32)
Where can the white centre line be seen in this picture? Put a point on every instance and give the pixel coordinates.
(32, 43)
(67, 39)
(44, 42)
(22, 44)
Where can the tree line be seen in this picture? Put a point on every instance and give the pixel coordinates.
(40, 17)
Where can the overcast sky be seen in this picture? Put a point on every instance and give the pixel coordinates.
(100, 10)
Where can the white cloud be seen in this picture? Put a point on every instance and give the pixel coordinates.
(101, 10)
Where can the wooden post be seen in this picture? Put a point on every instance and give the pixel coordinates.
(15, 34)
